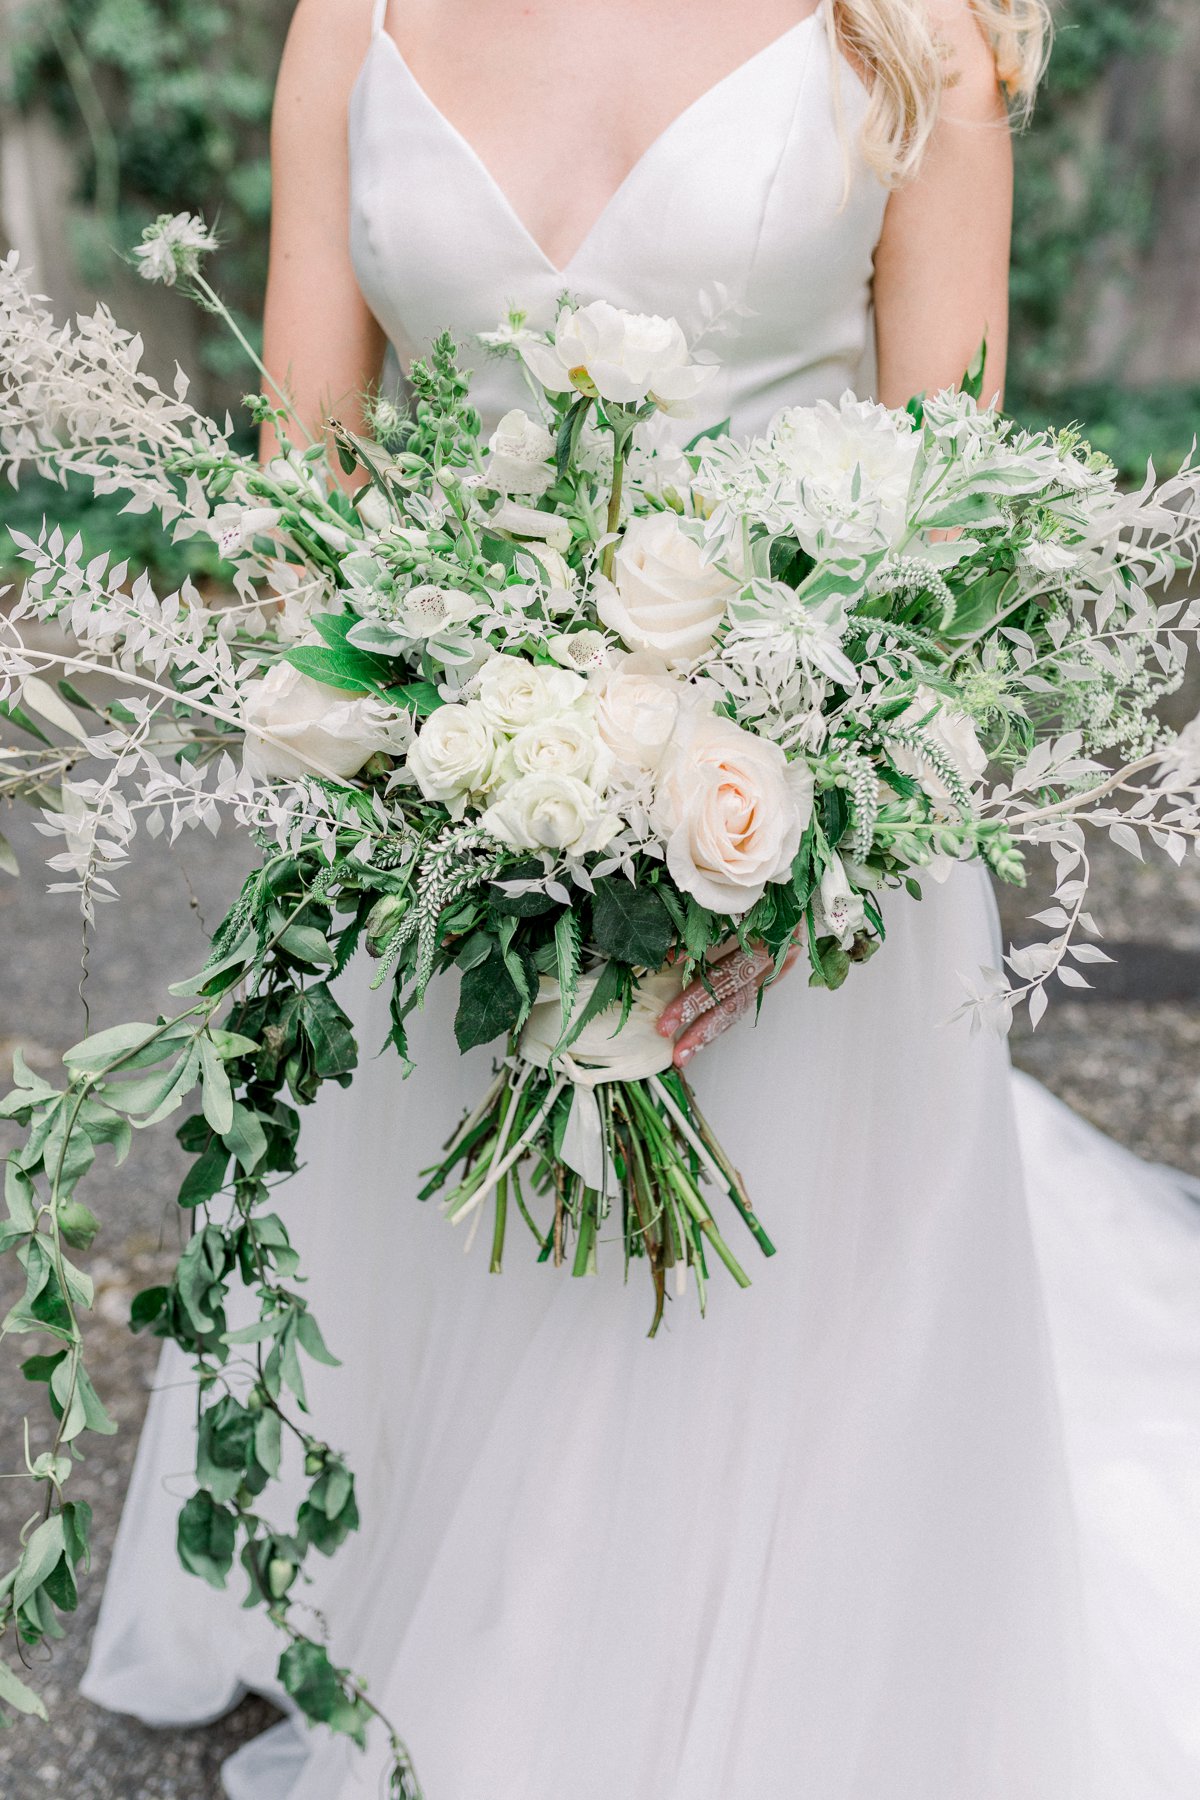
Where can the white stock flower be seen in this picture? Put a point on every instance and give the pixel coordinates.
(172, 247)
(838, 911)
(514, 693)
(314, 729)
(454, 755)
(638, 705)
(951, 731)
(520, 452)
(662, 596)
(623, 357)
(550, 812)
(731, 811)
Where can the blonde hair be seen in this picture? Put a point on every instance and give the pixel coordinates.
(896, 45)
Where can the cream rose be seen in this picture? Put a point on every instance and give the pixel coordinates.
(637, 709)
(662, 597)
(952, 731)
(297, 726)
(514, 693)
(550, 812)
(731, 811)
(520, 451)
(625, 357)
(454, 755)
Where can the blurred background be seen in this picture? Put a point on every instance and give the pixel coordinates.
(112, 111)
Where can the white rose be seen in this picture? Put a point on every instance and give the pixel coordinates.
(550, 812)
(564, 745)
(731, 811)
(546, 530)
(519, 462)
(839, 912)
(454, 755)
(662, 597)
(513, 692)
(313, 729)
(952, 731)
(637, 709)
(624, 357)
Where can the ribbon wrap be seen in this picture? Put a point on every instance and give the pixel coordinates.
(600, 1053)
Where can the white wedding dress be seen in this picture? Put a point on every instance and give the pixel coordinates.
(915, 1518)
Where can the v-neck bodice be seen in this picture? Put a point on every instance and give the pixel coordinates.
(753, 204)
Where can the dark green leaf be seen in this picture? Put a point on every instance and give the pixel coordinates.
(205, 1539)
(630, 923)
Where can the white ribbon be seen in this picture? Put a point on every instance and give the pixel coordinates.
(599, 1054)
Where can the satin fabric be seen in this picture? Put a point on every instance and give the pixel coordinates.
(912, 1519)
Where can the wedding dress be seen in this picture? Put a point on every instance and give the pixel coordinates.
(912, 1519)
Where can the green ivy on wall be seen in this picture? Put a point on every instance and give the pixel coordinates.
(1085, 207)
(168, 103)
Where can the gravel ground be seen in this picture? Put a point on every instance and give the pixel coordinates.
(1128, 1058)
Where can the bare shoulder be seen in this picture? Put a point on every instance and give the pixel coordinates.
(326, 43)
(974, 88)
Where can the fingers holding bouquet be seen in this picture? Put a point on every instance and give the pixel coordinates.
(719, 996)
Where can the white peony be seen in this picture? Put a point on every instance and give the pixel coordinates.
(731, 811)
(952, 731)
(662, 596)
(637, 709)
(855, 463)
(313, 728)
(625, 357)
(550, 812)
(454, 755)
(514, 693)
(520, 452)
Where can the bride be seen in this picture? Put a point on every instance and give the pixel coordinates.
(909, 1520)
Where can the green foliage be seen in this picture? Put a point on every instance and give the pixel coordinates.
(168, 103)
(1085, 206)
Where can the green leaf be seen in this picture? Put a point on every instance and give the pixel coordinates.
(607, 991)
(224, 1447)
(329, 1031)
(308, 1676)
(15, 1694)
(630, 923)
(216, 1093)
(206, 1176)
(488, 1003)
(147, 1308)
(309, 1334)
(568, 938)
(39, 1559)
(422, 696)
(10, 866)
(103, 1047)
(306, 944)
(245, 1138)
(972, 381)
(205, 1539)
(354, 671)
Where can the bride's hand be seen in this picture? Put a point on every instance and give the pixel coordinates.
(702, 1012)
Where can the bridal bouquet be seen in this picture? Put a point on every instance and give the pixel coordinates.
(583, 711)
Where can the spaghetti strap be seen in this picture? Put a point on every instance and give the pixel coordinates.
(379, 14)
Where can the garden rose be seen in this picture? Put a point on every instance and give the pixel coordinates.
(454, 755)
(519, 460)
(314, 729)
(513, 692)
(662, 597)
(566, 744)
(550, 812)
(637, 709)
(621, 356)
(732, 811)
